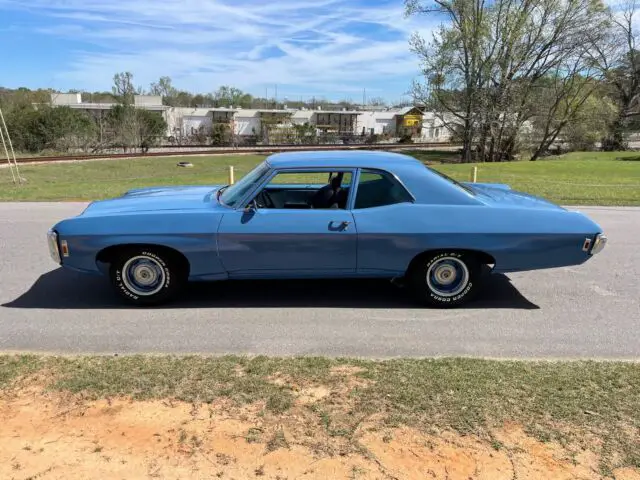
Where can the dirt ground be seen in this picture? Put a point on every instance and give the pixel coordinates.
(60, 436)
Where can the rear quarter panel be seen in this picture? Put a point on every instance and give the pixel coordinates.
(191, 233)
(518, 239)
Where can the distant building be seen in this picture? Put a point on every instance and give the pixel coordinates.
(186, 122)
(409, 121)
(196, 125)
(74, 100)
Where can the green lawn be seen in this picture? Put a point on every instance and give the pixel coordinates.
(574, 179)
(611, 178)
(99, 179)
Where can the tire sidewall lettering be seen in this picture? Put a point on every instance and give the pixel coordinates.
(122, 287)
(447, 300)
(163, 265)
(167, 273)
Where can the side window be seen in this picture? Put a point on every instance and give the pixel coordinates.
(376, 189)
(304, 190)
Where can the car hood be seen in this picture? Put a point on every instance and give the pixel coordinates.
(157, 198)
(501, 194)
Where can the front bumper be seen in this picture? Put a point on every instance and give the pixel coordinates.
(57, 248)
(54, 249)
(596, 245)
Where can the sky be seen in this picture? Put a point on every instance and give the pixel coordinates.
(330, 48)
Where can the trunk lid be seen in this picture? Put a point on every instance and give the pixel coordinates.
(501, 194)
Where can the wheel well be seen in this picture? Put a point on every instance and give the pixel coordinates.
(107, 255)
(483, 257)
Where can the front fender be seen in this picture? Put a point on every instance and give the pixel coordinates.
(192, 234)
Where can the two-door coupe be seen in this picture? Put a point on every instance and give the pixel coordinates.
(324, 214)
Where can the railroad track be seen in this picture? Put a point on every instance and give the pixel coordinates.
(266, 149)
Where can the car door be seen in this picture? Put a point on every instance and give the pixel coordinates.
(288, 242)
(382, 211)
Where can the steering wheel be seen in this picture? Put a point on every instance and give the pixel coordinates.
(267, 201)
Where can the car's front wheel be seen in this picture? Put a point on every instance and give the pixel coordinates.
(147, 276)
(445, 279)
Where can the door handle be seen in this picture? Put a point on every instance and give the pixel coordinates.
(343, 225)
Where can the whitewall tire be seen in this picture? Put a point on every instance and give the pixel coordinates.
(445, 278)
(147, 276)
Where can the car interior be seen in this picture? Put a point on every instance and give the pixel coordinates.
(296, 195)
(303, 191)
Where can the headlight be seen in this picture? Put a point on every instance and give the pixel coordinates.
(52, 240)
(598, 244)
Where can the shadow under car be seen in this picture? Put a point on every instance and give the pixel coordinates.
(63, 289)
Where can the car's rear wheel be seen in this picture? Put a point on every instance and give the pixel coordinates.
(446, 278)
(147, 276)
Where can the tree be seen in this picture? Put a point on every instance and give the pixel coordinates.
(123, 89)
(220, 134)
(227, 96)
(377, 102)
(591, 123)
(61, 129)
(454, 61)
(151, 127)
(561, 104)
(132, 127)
(122, 125)
(482, 71)
(165, 89)
(620, 63)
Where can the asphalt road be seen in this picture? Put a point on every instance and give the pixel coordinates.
(588, 311)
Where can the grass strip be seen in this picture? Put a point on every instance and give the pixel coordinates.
(568, 402)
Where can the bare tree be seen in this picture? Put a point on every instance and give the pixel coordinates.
(454, 64)
(123, 89)
(619, 61)
(561, 103)
(166, 90)
(483, 70)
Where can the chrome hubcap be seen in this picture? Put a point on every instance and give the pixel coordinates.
(445, 274)
(143, 275)
(448, 276)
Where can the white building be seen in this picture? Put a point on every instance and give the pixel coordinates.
(434, 129)
(421, 126)
(185, 124)
(74, 100)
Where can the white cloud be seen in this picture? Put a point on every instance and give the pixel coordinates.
(326, 46)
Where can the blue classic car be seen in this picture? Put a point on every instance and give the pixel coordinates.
(318, 215)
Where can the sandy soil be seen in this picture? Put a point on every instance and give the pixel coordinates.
(58, 436)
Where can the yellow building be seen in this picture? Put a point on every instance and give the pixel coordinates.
(409, 122)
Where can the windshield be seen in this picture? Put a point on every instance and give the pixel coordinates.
(234, 193)
(455, 182)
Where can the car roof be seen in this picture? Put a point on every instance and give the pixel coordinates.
(341, 158)
(425, 185)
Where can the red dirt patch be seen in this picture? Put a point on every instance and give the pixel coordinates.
(62, 437)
